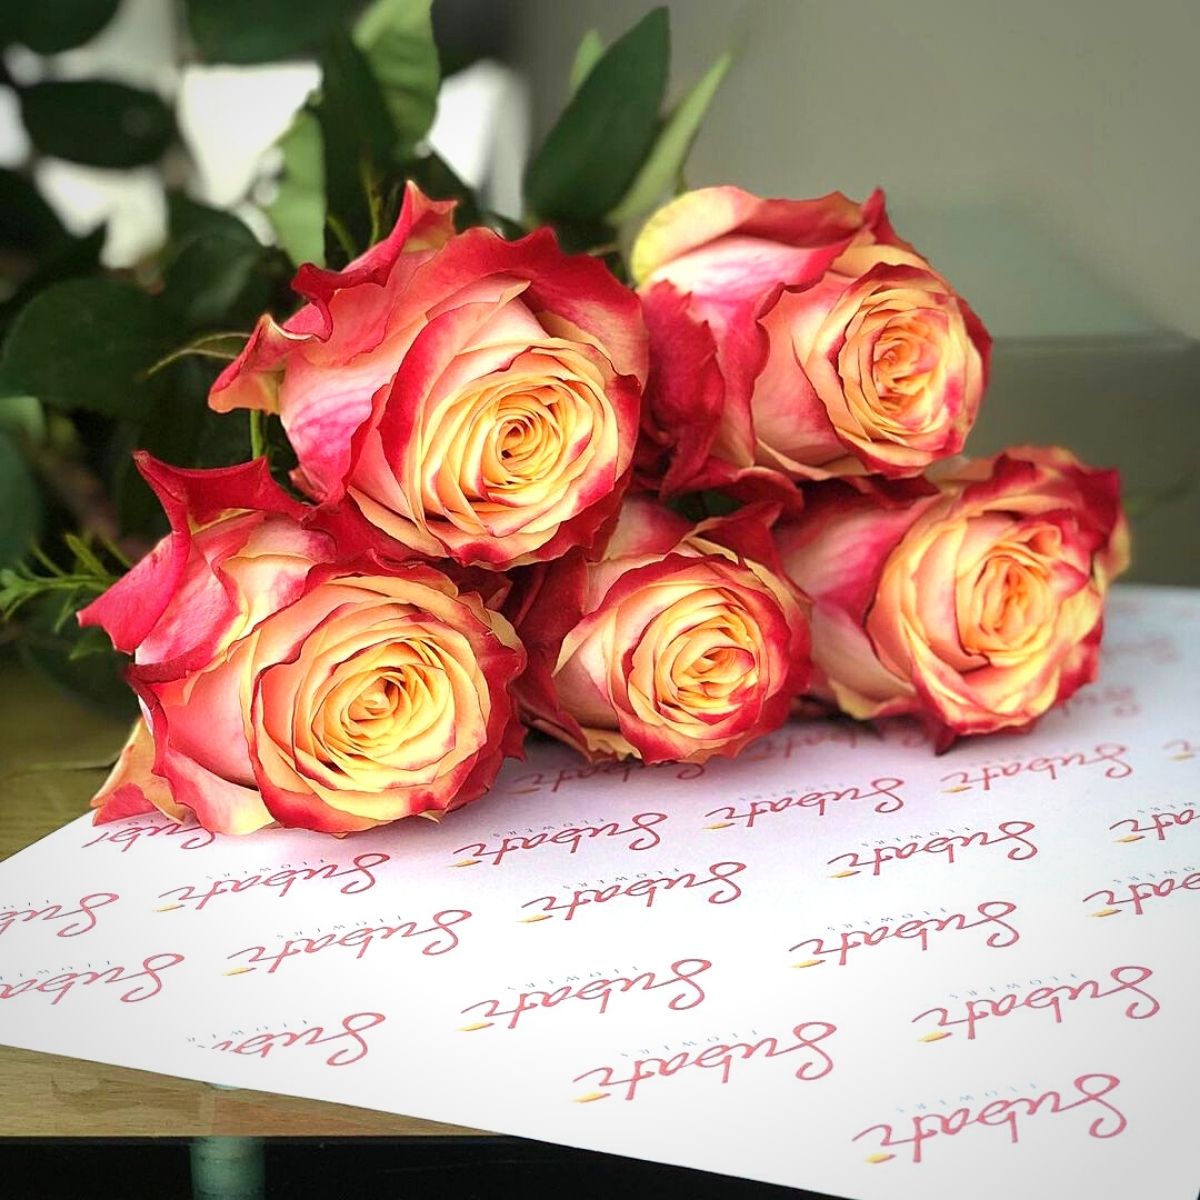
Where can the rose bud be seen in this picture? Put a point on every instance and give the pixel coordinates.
(473, 398)
(681, 643)
(974, 604)
(797, 340)
(279, 684)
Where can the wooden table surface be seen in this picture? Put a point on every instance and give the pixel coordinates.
(52, 752)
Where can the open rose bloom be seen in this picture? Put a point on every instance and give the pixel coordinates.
(681, 643)
(798, 340)
(472, 398)
(468, 413)
(279, 684)
(975, 604)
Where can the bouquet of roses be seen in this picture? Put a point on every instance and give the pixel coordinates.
(652, 504)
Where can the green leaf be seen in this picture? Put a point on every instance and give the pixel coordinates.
(97, 123)
(397, 38)
(590, 157)
(662, 168)
(20, 504)
(260, 31)
(52, 26)
(591, 48)
(47, 644)
(28, 225)
(22, 420)
(212, 280)
(75, 256)
(187, 217)
(211, 272)
(298, 211)
(357, 141)
(86, 344)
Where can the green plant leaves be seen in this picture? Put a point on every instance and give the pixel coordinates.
(298, 211)
(212, 275)
(97, 123)
(20, 504)
(588, 54)
(86, 343)
(51, 26)
(397, 38)
(662, 168)
(354, 162)
(28, 225)
(590, 157)
(260, 31)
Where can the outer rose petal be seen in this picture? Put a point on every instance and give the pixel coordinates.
(135, 605)
(252, 379)
(132, 788)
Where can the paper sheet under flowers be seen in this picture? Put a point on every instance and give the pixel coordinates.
(839, 962)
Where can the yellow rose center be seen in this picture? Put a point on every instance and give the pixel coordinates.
(905, 355)
(697, 659)
(1006, 602)
(379, 705)
(509, 451)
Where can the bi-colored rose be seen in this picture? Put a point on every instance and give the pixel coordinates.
(279, 683)
(681, 643)
(797, 340)
(975, 603)
(472, 398)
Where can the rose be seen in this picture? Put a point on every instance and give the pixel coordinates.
(279, 683)
(679, 644)
(975, 603)
(474, 398)
(796, 340)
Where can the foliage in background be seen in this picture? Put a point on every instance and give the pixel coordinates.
(95, 363)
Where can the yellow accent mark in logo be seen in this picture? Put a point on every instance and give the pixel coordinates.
(843, 874)
(809, 962)
(961, 787)
(466, 862)
(1129, 837)
(1107, 912)
(935, 1036)
(1182, 757)
(720, 825)
(237, 970)
(532, 919)
(475, 1026)
(589, 1097)
(168, 907)
(874, 1159)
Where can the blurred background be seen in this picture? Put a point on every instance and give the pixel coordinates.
(1043, 156)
